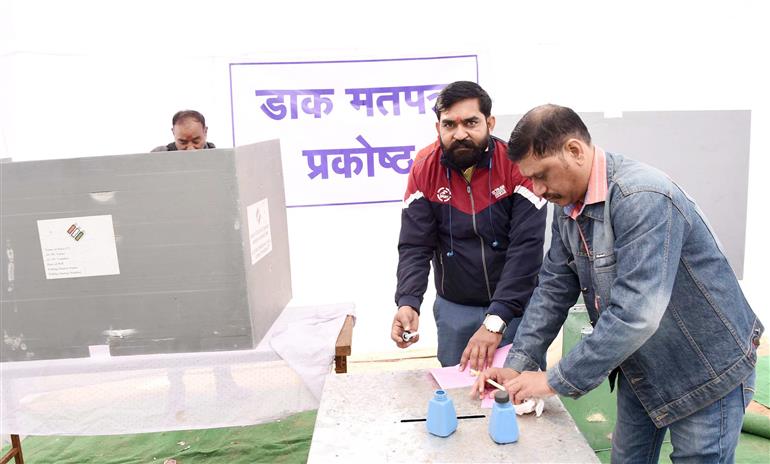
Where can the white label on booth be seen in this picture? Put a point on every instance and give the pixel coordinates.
(259, 230)
(78, 247)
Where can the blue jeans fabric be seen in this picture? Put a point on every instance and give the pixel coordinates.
(709, 435)
(456, 324)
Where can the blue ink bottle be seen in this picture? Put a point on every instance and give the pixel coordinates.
(442, 418)
(503, 427)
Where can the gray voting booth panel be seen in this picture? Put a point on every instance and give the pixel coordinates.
(705, 152)
(188, 279)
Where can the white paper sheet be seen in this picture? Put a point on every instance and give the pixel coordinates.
(78, 247)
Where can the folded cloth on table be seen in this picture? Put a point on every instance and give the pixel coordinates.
(306, 343)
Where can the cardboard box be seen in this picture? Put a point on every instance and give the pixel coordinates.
(150, 253)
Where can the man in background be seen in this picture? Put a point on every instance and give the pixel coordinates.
(189, 129)
(469, 210)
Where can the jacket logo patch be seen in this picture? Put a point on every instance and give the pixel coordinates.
(444, 194)
(499, 191)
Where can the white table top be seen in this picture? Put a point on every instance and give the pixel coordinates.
(359, 420)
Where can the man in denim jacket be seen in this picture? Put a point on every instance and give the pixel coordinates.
(671, 324)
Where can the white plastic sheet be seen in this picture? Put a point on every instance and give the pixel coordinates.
(104, 395)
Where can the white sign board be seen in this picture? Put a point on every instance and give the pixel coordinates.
(78, 247)
(349, 130)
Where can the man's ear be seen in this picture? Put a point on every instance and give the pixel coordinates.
(491, 123)
(575, 150)
(438, 132)
(205, 130)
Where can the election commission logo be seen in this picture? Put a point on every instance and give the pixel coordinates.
(444, 194)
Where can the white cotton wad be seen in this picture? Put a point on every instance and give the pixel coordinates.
(529, 406)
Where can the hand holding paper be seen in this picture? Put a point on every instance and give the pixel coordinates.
(452, 377)
(481, 350)
(495, 377)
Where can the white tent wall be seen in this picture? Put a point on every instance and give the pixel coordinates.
(87, 78)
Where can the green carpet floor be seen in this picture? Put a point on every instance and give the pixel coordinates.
(285, 441)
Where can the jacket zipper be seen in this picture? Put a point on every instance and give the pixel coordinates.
(481, 240)
(443, 271)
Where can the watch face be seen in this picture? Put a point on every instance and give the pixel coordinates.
(494, 324)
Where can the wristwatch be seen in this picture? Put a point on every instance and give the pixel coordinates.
(495, 324)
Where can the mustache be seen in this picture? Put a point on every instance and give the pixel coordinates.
(467, 143)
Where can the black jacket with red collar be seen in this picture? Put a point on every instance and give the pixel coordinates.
(485, 237)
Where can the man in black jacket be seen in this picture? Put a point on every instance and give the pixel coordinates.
(468, 209)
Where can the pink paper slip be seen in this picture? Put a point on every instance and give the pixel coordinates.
(451, 377)
(487, 402)
(500, 356)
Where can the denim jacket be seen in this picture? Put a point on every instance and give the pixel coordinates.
(665, 303)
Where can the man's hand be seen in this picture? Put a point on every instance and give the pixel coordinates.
(500, 375)
(405, 320)
(528, 385)
(481, 349)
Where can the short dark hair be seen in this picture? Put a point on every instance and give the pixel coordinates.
(543, 130)
(462, 90)
(185, 114)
